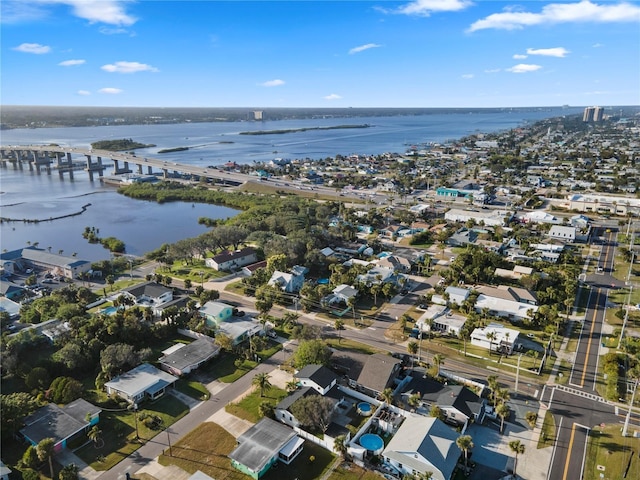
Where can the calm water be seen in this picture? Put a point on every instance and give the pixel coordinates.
(144, 226)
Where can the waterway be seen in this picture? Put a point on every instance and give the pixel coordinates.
(144, 226)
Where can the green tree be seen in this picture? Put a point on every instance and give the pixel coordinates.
(261, 381)
(414, 400)
(266, 409)
(387, 395)
(437, 412)
(340, 446)
(531, 418)
(69, 472)
(94, 434)
(311, 352)
(38, 379)
(503, 412)
(465, 443)
(518, 448)
(313, 412)
(44, 450)
(339, 326)
(30, 458)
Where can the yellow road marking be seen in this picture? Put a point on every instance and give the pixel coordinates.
(586, 358)
(566, 463)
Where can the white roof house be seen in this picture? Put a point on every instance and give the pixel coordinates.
(423, 444)
(488, 217)
(505, 301)
(559, 232)
(503, 341)
(143, 381)
(457, 295)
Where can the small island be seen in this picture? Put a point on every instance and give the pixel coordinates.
(295, 130)
(119, 145)
(174, 149)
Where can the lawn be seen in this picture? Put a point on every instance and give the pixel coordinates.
(564, 370)
(351, 345)
(302, 468)
(193, 389)
(350, 471)
(582, 299)
(611, 454)
(548, 431)
(196, 451)
(119, 431)
(248, 407)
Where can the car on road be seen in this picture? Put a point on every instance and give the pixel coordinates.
(29, 271)
(272, 334)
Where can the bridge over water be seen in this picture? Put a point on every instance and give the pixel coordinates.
(47, 158)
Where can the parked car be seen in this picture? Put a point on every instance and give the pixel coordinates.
(272, 334)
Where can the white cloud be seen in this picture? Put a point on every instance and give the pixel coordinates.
(110, 91)
(362, 48)
(98, 11)
(333, 96)
(524, 68)
(493, 70)
(559, 52)
(519, 56)
(112, 30)
(597, 45)
(128, 67)
(467, 76)
(71, 63)
(583, 11)
(84, 93)
(424, 8)
(272, 83)
(19, 11)
(33, 48)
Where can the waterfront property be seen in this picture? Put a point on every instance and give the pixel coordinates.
(30, 257)
(60, 423)
(231, 261)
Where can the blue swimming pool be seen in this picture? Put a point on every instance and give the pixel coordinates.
(364, 408)
(372, 442)
(323, 281)
(109, 310)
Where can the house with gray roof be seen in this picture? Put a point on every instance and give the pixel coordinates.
(60, 423)
(380, 371)
(458, 403)
(231, 261)
(423, 444)
(143, 382)
(69, 267)
(318, 377)
(188, 357)
(264, 444)
(150, 295)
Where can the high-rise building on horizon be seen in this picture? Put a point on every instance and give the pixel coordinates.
(593, 114)
(258, 115)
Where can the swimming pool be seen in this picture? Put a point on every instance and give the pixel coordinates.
(372, 442)
(109, 310)
(323, 281)
(364, 409)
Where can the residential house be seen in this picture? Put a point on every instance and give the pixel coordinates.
(380, 371)
(512, 302)
(263, 445)
(249, 269)
(143, 382)
(216, 312)
(495, 338)
(10, 290)
(11, 307)
(395, 262)
(60, 423)
(462, 238)
(182, 359)
(150, 294)
(376, 276)
(290, 282)
(318, 377)
(341, 294)
(581, 222)
(231, 261)
(457, 295)
(458, 403)
(219, 315)
(282, 410)
(516, 273)
(484, 217)
(423, 444)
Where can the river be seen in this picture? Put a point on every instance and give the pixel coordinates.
(144, 226)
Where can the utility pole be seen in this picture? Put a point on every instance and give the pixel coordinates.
(518, 374)
(626, 420)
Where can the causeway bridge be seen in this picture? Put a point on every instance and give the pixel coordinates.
(46, 158)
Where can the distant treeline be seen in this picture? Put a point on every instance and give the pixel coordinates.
(119, 145)
(295, 130)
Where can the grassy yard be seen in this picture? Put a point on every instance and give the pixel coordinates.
(193, 389)
(351, 345)
(564, 370)
(235, 287)
(119, 431)
(248, 407)
(197, 451)
(611, 454)
(302, 468)
(350, 471)
(548, 432)
(582, 299)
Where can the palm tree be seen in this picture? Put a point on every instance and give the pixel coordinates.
(94, 434)
(261, 380)
(491, 336)
(503, 412)
(438, 359)
(501, 396)
(265, 409)
(414, 400)
(340, 446)
(351, 303)
(44, 450)
(492, 382)
(387, 395)
(291, 386)
(465, 443)
(338, 325)
(516, 447)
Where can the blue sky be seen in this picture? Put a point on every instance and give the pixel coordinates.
(422, 53)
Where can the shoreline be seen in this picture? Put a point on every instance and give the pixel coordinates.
(83, 209)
